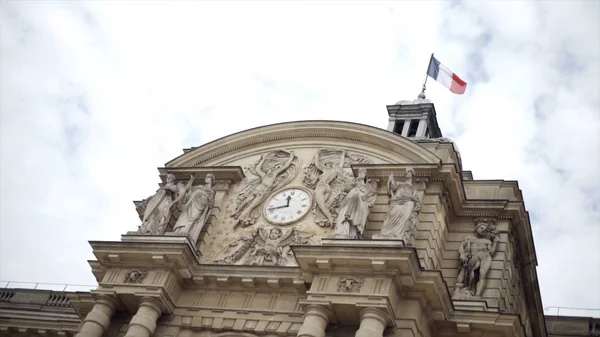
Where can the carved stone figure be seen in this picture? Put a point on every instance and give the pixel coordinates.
(350, 284)
(355, 207)
(196, 209)
(135, 276)
(476, 254)
(272, 170)
(327, 176)
(264, 247)
(157, 211)
(329, 172)
(404, 207)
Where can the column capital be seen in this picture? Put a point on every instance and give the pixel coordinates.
(152, 302)
(108, 297)
(375, 313)
(318, 310)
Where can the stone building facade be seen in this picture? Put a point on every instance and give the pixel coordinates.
(311, 229)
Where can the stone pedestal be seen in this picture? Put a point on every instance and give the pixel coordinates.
(316, 319)
(372, 322)
(144, 321)
(98, 320)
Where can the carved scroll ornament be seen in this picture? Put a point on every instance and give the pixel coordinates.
(350, 284)
(135, 276)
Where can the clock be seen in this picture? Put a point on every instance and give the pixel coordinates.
(287, 206)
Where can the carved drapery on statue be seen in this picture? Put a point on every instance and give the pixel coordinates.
(327, 176)
(269, 172)
(158, 207)
(193, 202)
(197, 204)
(264, 246)
(476, 253)
(355, 206)
(403, 211)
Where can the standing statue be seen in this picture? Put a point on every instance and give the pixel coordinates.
(158, 208)
(198, 203)
(327, 176)
(404, 207)
(271, 172)
(476, 254)
(355, 207)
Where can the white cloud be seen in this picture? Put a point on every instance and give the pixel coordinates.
(96, 95)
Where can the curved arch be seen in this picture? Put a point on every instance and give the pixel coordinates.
(308, 130)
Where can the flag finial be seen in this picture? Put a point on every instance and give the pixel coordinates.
(422, 94)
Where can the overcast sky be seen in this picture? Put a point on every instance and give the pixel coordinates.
(94, 96)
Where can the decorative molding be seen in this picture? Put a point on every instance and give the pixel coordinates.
(325, 134)
(350, 284)
(135, 276)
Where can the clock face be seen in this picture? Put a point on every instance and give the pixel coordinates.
(288, 206)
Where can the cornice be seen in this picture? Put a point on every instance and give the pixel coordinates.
(307, 130)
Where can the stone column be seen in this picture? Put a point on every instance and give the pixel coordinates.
(421, 128)
(316, 319)
(372, 323)
(98, 320)
(144, 321)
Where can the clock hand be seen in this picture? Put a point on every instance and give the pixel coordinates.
(278, 207)
(283, 206)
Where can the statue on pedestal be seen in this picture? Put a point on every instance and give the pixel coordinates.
(355, 207)
(197, 205)
(476, 254)
(157, 212)
(404, 207)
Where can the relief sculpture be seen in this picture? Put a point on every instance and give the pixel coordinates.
(476, 253)
(158, 207)
(327, 176)
(271, 171)
(403, 211)
(264, 246)
(355, 207)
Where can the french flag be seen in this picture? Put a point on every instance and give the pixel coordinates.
(445, 76)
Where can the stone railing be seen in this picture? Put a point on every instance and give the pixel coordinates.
(46, 286)
(43, 294)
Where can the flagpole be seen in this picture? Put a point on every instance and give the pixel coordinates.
(422, 94)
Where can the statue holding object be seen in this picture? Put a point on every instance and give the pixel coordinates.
(476, 253)
(355, 207)
(196, 209)
(403, 211)
(158, 208)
